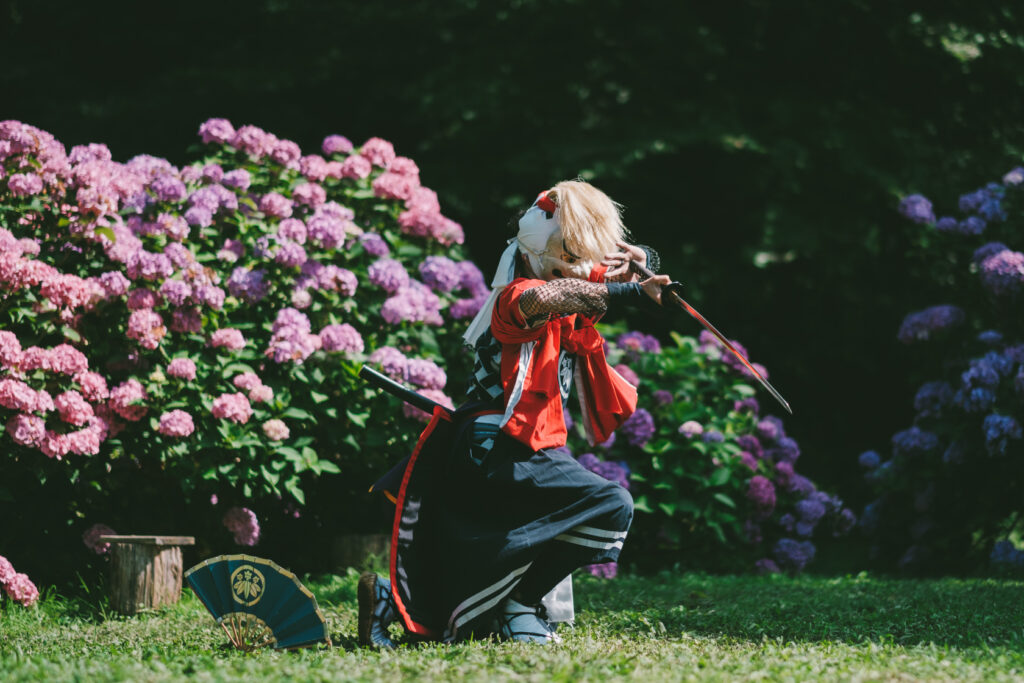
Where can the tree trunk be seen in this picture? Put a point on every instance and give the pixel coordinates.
(145, 571)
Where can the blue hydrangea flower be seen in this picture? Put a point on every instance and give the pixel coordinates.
(869, 460)
(990, 337)
(999, 429)
(932, 398)
(972, 225)
(914, 442)
(947, 224)
(917, 208)
(976, 400)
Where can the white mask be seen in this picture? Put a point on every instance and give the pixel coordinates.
(540, 239)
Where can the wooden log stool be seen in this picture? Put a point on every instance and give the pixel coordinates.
(145, 571)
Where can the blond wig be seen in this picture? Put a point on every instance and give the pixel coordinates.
(591, 222)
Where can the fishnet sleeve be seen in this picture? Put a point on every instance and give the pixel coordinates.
(562, 297)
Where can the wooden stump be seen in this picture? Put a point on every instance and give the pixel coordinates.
(352, 550)
(145, 571)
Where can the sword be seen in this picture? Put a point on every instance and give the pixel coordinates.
(395, 389)
(671, 291)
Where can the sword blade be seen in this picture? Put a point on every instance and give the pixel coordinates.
(674, 296)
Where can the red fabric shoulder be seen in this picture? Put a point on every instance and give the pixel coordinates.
(507, 324)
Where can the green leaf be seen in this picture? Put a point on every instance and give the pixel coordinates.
(329, 467)
(725, 500)
(293, 488)
(641, 504)
(668, 508)
(359, 419)
(318, 397)
(297, 414)
(719, 476)
(106, 232)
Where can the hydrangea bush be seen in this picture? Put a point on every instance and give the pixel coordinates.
(175, 333)
(945, 492)
(713, 479)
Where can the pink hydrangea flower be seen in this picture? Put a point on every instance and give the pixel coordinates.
(146, 327)
(22, 590)
(73, 408)
(86, 441)
(94, 386)
(243, 524)
(356, 167)
(67, 360)
(24, 184)
(435, 395)
(234, 407)
(176, 423)
(91, 538)
(17, 395)
(125, 399)
(228, 338)
(10, 349)
(54, 445)
(336, 144)
(27, 430)
(261, 394)
(276, 430)
(6, 571)
(274, 204)
(219, 131)
(247, 381)
(377, 151)
(182, 368)
(627, 374)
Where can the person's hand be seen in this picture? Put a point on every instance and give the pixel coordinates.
(618, 262)
(652, 286)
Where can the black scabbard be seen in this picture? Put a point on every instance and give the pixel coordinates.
(395, 389)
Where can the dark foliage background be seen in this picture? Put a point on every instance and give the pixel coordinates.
(760, 146)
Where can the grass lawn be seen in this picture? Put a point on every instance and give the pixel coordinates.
(668, 627)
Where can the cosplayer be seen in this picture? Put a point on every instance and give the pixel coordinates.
(491, 514)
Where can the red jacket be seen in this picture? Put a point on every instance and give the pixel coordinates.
(529, 374)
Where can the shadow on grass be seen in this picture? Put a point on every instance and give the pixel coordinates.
(947, 612)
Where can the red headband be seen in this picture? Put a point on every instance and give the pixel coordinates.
(546, 203)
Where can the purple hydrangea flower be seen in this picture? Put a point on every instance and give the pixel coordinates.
(917, 208)
(440, 273)
(747, 405)
(761, 492)
(248, 285)
(922, 325)
(607, 570)
(329, 231)
(810, 510)
(638, 428)
(391, 360)
(472, 279)
(413, 303)
(662, 397)
(168, 188)
(341, 337)
(238, 179)
(845, 522)
(800, 485)
(425, 373)
(983, 252)
(374, 244)
(947, 224)
(290, 254)
(972, 225)
(766, 566)
(770, 429)
(712, 436)
(793, 555)
(749, 442)
(786, 450)
(588, 460)
(613, 471)
(388, 274)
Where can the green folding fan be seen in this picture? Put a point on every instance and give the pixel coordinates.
(257, 603)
